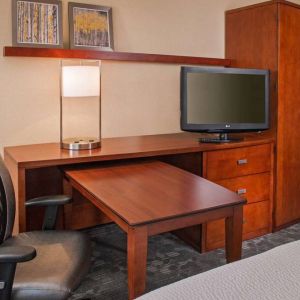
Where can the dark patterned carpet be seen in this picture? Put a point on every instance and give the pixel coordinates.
(169, 260)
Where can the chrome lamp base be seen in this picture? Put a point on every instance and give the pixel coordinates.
(81, 143)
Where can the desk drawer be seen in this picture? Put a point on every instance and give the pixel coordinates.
(256, 217)
(254, 188)
(236, 162)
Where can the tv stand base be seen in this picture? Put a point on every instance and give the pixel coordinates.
(222, 138)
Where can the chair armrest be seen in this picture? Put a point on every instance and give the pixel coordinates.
(16, 254)
(9, 257)
(53, 200)
(52, 203)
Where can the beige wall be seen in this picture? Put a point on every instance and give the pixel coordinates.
(137, 98)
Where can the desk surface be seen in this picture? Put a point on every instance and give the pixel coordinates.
(50, 154)
(146, 192)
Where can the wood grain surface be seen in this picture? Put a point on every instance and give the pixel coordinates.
(238, 162)
(266, 36)
(145, 192)
(50, 154)
(114, 56)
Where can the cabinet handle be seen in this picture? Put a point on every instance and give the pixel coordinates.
(241, 191)
(244, 221)
(242, 161)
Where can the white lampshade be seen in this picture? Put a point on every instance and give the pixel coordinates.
(80, 81)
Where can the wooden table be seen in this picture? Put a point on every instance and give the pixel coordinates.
(35, 168)
(152, 197)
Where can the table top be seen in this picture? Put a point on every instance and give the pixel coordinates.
(145, 192)
(50, 154)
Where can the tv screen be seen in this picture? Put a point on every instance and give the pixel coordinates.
(224, 99)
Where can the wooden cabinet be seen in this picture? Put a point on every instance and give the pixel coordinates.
(248, 172)
(267, 36)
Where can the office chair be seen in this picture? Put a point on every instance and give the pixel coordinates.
(38, 265)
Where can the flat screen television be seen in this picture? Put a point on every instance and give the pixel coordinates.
(224, 100)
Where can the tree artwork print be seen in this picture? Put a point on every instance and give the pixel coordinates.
(91, 27)
(37, 23)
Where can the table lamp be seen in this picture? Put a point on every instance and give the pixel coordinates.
(80, 98)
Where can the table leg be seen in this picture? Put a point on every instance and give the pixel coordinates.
(18, 177)
(234, 232)
(137, 246)
(67, 209)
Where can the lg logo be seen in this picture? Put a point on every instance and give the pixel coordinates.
(227, 126)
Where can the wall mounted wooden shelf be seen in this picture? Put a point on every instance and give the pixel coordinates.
(115, 56)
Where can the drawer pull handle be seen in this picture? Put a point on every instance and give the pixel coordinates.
(244, 221)
(241, 191)
(242, 161)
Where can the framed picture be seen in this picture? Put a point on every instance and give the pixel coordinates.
(37, 23)
(90, 27)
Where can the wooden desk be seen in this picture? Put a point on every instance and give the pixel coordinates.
(35, 171)
(149, 198)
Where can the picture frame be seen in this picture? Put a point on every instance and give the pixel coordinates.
(37, 23)
(90, 27)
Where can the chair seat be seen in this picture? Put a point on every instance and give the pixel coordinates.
(63, 258)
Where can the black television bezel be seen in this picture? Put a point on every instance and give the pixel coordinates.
(221, 127)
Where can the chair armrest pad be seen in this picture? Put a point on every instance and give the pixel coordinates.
(53, 200)
(16, 254)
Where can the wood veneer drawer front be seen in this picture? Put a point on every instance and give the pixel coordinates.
(256, 217)
(238, 162)
(254, 188)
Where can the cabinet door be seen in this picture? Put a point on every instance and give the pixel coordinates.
(288, 141)
(251, 41)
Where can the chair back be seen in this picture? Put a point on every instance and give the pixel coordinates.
(7, 203)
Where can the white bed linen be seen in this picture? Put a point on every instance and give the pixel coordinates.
(272, 275)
